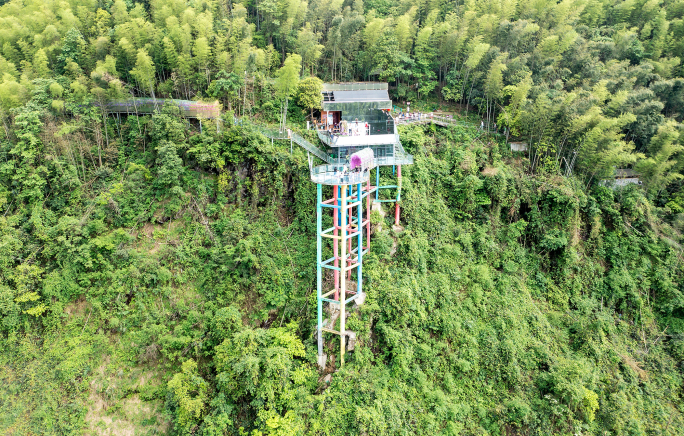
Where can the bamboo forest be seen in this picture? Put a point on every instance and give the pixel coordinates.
(342, 217)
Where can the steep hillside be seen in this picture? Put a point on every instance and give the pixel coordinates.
(174, 291)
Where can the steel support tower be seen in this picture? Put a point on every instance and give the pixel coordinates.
(397, 201)
(344, 245)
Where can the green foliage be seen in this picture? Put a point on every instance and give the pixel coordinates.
(226, 86)
(190, 392)
(262, 368)
(169, 166)
(287, 77)
(308, 93)
(150, 272)
(144, 71)
(658, 171)
(73, 47)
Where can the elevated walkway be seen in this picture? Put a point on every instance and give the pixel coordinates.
(310, 147)
(434, 119)
(148, 106)
(400, 156)
(273, 133)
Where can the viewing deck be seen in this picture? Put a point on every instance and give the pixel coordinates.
(336, 140)
(326, 175)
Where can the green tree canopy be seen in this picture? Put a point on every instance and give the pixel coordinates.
(287, 79)
(309, 93)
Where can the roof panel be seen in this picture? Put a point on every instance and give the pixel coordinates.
(354, 86)
(358, 96)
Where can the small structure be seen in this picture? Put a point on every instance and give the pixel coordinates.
(356, 116)
(518, 146)
(624, 177)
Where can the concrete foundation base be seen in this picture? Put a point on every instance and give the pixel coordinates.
(351, 340)
(378, 206)
(322, 360)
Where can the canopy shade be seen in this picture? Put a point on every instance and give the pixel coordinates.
(363, 159)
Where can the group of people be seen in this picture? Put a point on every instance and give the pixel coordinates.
(411, 116)
(346, 128)
(346, 171)
(495, 128)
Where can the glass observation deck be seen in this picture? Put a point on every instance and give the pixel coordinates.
(385, 154)
(337, 175)
(355, 116)
(358, 126)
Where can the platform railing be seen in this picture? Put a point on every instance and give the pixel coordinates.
(310, 147)
(335, 175)
(436, 119)
(363, 86)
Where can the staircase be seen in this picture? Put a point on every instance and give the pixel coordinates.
(274, 133)
(310, 148)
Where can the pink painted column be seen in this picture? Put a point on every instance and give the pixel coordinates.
(398, 209)
(368, 212)
(349, 223)
(336, 273)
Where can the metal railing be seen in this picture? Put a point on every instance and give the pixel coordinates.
(271, 132)
(310, 147)
(437, 119)
(331, 139)
(334, 175)
(363, 86)
(325, 137)
(275, 133)
(400, 156)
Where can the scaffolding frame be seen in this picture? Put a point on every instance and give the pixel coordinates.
(396, 201)
(348, 249)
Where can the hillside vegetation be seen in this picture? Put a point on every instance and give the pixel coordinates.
(159, 279)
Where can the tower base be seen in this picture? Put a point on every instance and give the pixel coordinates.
(322, 360)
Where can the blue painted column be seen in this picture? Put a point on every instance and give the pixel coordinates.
(339, 204)
(343, 274)
(377, 181)
(319, 259)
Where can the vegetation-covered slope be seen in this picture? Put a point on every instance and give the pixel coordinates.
(158, 279)
(156, 295)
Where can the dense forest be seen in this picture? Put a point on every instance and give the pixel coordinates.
(159, 278)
